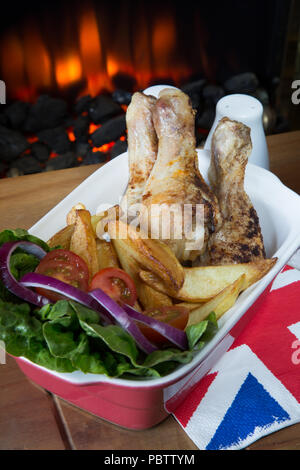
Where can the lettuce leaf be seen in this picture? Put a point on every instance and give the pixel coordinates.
(22, 335)
(67, 336)
(21, 263)
(18, 234)
(201, 333)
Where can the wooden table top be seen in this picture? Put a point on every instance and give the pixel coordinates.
(32, 418)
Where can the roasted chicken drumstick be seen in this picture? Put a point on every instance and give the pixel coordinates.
(175, 180)
(239, 239)
(142, 147)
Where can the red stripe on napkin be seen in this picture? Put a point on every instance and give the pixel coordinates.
(268, 334)
(186, 409)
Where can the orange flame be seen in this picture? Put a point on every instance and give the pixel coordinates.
(12, 58)
(164, 38)
(93, 127)
(90, 55)
(164, 41)
(32, 139)
(53, 155)
(26, 61)
(71, 135)
(68, 70)
(36, 58)
(104, 148)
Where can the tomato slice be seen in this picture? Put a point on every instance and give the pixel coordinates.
(174, 315)
(116, 283)
(65, 266)
(66, 255)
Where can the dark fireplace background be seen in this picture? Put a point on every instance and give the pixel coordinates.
(70, 69)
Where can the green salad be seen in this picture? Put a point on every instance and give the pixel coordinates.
(68, 336)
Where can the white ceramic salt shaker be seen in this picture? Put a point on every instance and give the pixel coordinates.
(249, 111)
(156, 89)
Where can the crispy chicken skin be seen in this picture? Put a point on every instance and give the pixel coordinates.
(239, 239)
(142, 146)
(175, 177)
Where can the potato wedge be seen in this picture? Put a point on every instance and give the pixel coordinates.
(83, 241)
(152, 255)
(148, 297)
(110, 214)
(189, 305)
(128, 263)
(62, 238)
(71, 216)
(219, 304)
(205, 282)
(107, 256)
(137, 307)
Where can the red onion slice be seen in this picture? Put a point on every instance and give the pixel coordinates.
(96, 300)
(174, 335)
(9, 280)
(71, 292)
(123, 319)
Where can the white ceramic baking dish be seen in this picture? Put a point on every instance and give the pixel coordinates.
(139, 404)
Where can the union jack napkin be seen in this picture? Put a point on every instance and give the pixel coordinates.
(254, 389)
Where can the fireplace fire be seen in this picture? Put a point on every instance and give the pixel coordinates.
(97, 49)
(70, 69)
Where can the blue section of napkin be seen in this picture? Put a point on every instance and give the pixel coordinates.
(252, 408)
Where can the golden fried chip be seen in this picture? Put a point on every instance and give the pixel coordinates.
(62, 238)
(83, 241)
(219, 304)
(205, 282)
